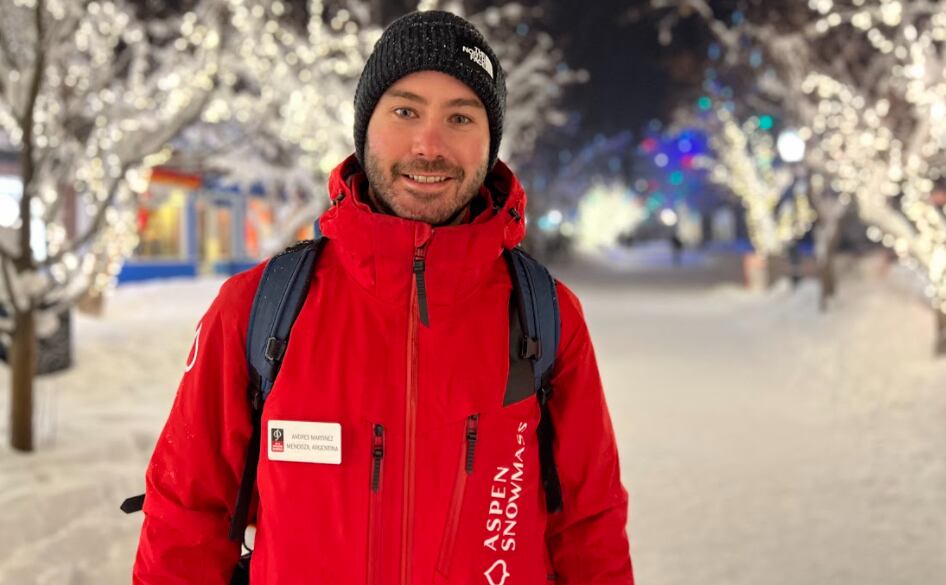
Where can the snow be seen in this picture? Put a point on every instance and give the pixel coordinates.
(63, 501)
(761, 442)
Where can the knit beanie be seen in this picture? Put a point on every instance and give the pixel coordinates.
(432, 41)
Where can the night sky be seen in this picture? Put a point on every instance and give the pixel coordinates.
(629, 79)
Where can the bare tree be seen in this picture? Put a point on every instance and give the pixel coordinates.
(89, 97)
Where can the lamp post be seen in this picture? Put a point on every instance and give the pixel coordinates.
(791, 149)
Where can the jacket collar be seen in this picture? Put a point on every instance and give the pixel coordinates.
(378, 250)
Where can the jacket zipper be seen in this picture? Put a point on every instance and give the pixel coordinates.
(472, 424)
(418, 313)
(456, 503)
(374, 509)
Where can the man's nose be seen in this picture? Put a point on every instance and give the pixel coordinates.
(429, 140)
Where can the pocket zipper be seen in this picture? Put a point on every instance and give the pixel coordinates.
(374, 509)
(456, 504)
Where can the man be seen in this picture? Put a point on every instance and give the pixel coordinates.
(431, 479)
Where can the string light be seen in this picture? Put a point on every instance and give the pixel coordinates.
(875, 125)
(744, 162)
(105, 110)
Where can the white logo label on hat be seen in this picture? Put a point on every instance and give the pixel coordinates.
(304, 442)
(480, 58)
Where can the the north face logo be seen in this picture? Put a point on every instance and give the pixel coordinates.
(480, 58)
(497, 574)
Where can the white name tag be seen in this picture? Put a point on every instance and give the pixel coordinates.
(304, 442)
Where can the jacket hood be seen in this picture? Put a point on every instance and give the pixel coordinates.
(378, 249)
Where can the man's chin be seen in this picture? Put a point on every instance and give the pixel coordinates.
(422, 216)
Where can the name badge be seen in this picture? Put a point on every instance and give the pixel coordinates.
(304, 442)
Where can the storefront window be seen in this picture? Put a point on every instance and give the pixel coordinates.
(160, 226)
(215, 234)
(258, 227)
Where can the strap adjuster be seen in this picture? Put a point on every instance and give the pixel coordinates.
(531, 348)
(275, 348)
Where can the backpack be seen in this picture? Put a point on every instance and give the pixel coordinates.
(534, 330)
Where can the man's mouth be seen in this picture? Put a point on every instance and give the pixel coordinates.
(428, 179)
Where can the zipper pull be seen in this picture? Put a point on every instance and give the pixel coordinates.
(420, 265)
(377, 454)
(471, 428)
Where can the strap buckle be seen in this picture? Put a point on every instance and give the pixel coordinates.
(275, 348)
(531, 349)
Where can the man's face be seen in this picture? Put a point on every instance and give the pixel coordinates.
(427, 147)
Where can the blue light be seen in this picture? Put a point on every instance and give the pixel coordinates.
(522, 29)
(755, 58)
(715, 51)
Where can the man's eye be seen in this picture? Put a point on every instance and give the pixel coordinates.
(404, 112)
(461, 119)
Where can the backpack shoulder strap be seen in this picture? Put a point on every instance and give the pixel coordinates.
(282, 291)
(534, 331)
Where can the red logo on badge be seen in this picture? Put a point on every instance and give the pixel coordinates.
(276, 440)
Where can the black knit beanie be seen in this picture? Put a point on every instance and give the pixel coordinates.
(432, 41)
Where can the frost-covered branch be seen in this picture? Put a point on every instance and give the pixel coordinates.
(89, 94)
(744, 162)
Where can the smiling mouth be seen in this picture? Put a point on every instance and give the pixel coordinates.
(428, 179)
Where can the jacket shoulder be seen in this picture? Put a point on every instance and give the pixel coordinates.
(235, 298)
(568, 302)
(572, 317)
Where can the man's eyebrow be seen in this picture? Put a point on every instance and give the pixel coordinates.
(469, 102)
(407, 96)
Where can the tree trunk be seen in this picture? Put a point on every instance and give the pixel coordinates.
(827, 238)
(22, 368)
(757, 271)
(940, 345)
(828, 279)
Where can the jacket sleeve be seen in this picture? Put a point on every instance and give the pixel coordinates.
(194, 473)
(587, 540)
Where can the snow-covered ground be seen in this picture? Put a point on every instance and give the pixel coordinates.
(762, 442)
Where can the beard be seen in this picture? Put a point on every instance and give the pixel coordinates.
(433, 208)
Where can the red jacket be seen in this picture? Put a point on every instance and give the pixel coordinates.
(413, 501)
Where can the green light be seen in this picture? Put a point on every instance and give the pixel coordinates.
(705, 103)
(676, 178)
(766, 122)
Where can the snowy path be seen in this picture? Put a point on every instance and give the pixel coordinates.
(814, 456)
